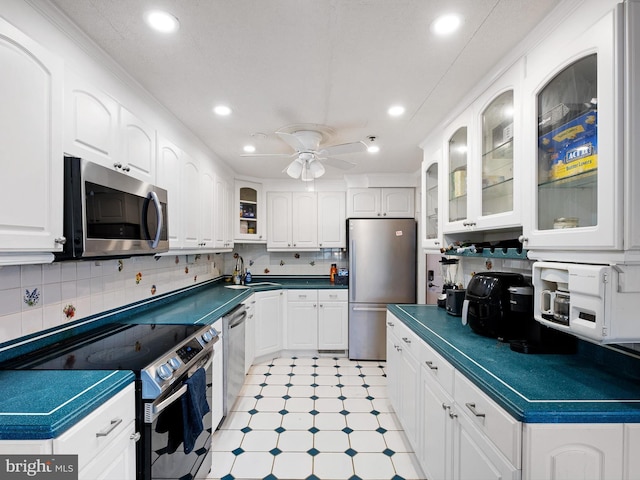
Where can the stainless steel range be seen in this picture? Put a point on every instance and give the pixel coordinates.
(167, 361)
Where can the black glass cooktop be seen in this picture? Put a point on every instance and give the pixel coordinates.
(113, 347)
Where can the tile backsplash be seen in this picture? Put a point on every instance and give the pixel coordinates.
(37, 297)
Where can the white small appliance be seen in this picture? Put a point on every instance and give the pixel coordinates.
(598, 303)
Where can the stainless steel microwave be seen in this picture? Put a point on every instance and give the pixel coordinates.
(111, 214)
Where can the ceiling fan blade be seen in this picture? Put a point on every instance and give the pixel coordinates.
(337, 162)
(344, 148)
(274, 155)
(293, 141)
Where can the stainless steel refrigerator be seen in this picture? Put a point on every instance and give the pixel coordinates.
(382, 270)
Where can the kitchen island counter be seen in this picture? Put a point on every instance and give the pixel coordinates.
(594, 385)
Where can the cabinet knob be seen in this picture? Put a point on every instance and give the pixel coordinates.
(453, 415)
(523, 239)
(436, 242)
(321, 305)
(135, 436)
(117, 165)
(60, 240)
(445, 406)
(384, 214)
(126, 169)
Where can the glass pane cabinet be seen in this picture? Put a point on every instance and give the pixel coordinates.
(457, 152)
(431, 237)
(576, 100)
(250, 224)
(497, 155)
(568, 148)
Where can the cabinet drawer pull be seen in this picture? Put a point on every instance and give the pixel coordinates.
(114, 423)
(391, 324)
(135, 436)
(431, 365)
(406, 340)
(452, 415)
(445, 406)
(472, 407)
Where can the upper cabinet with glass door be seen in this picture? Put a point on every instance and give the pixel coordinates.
(575, 160)
(431, 233)
(250, 225)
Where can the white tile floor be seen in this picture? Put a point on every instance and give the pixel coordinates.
(313, 419)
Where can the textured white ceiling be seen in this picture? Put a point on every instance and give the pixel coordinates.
(339, 63)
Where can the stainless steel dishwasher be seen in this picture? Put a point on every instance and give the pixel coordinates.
(233, 333)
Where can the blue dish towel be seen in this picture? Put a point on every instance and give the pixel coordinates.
(195, 406)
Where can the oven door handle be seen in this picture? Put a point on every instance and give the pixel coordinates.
(157, 408)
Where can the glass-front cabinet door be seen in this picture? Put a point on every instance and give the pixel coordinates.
(431, 236)
(575, 154)
(250, 225)
(497, 155)
(457, 150)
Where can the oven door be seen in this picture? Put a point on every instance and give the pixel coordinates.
(164, 455)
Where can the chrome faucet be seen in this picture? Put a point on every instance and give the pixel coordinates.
(240, 269)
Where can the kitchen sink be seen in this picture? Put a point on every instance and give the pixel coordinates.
(237, 287)
(254, 284)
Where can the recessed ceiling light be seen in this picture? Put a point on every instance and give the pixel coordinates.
(249, 148)
(446, 24)
(396, 110)
(162, 21)
(222, 110)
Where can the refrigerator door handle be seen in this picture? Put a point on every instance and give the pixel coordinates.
(370, 309)
(352, 264)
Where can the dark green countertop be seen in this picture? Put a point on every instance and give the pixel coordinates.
(41, 404)
(593, 385)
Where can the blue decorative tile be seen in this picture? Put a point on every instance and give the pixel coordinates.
(314, 374)
(347, 430)
(336, 366)
(246, 429)
(374, 412)
(338, 375)
(294, 358)
(381, 430)
(364, 385)
(314, 430)
(271, 365)
(314, 358)
(275, 451)
(283, 412)
(228, 477)
(258, 397)
(313, 452)
(388, 452)
(267, 374)
(314, 412)
(342, 397)
(289, 385)
(384, 375)
(314, 385)
(315, 365)
(362, 375)
(312, 477)
(280, 430)
(395, 477)
(370, 397)
(238, 451)
(358, 366)
(344, 412)
(291, 374)
(355, 477)
(313, 397)
(253, 411)
(286, 397)
(263, 384)
(339, 385)
(351, 452)
(271, 476)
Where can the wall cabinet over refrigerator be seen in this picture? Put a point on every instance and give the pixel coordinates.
(31, 95)
(576, 97)
(380, 202)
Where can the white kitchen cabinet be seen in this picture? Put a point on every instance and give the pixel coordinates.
(631, 459)
(31, 121)
(169, 169)
(458, 150)
(302, 320)
(268, 322)
(292, 221)
(250, 333)
(317, 320)
(574, 452)
(221, 214)
(91, 122)
(380, 202)
(575, 104)
(217, 382)
(431, 223)
(404, 350)
(249, 212)
(209, 210)
(333, 320)
(104, 440)
(137, 147)
(332, 231)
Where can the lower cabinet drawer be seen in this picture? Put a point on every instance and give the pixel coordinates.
(328, 295)
(93, 433)
(441, 370)
(501, 428)
(408, 340)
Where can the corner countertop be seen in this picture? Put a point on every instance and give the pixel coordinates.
(594, 385)
(42, 404)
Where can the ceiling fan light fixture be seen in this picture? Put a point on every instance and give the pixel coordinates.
(295, 169)
(372, 147)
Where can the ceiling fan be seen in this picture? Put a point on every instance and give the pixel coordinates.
(309, 157)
